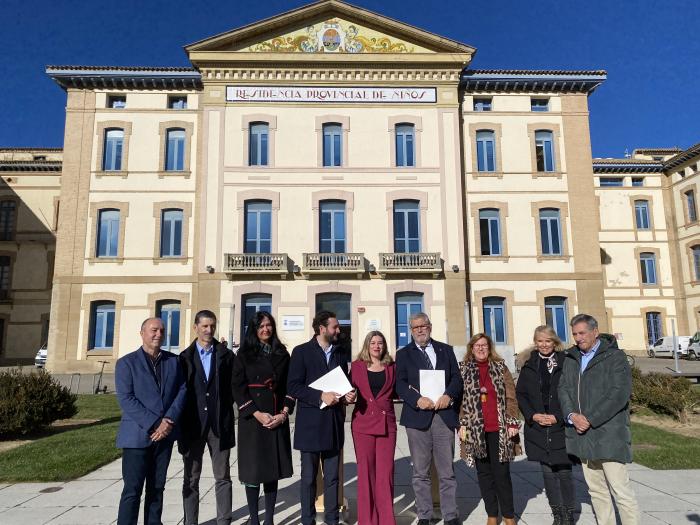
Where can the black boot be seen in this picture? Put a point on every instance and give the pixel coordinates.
(252, 494)
(270, 500)
(567, 516)
(557, 514)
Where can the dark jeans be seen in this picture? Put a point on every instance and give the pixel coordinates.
(558, 485)
(494, 480)
(309, 471)
(139, 465)
(222, 474)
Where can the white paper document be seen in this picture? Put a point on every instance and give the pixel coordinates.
(334, 381)
(432, 384)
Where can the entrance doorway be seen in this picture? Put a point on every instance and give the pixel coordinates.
(340, 304)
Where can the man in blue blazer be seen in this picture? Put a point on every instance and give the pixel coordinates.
(319, 432)
(430, 426)
(151, 393)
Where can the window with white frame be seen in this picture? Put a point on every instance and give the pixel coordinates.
(544, 150)
(556, 316)
(482, 104)
(696, 261)
(102, 317)
(177, 101)
(539, 104)
(332, 145)
(175, 150)
(490, 231)
(332, 227)
(107, 233)
(406, 227)
(405, 145)
(113, 149)
(169, 312)
(252, 304)
(647, 263)
(171, 233)
(654, 327)
(550, 231)
(691, 206)
(258, 227)
(406, 304)
(485, 150)
(258, 144)
(116, 101)
(494, 311)
(641, 214)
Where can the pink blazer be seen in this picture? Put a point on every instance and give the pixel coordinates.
(373, 416)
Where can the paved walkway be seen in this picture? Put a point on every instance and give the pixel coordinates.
(666, 497)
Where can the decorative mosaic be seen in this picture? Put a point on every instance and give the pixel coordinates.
(335, 36)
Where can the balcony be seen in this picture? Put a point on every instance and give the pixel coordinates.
(257, 263)
(334, 263)
(420, 262)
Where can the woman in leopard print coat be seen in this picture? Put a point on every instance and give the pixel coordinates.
(489, 425)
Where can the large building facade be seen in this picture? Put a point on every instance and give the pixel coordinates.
(333, 158)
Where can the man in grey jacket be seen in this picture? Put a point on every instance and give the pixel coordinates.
(594, 392)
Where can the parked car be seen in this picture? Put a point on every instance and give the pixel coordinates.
(40, 358)
(694, 347)
(663, 346)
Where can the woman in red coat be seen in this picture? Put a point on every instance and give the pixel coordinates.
(373, 374)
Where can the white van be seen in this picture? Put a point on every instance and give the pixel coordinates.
(694, 347)
(663, 346)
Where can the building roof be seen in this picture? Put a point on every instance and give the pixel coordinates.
(30, 150)
(627, 166)
(683, 156)
(656, 151)
(30, 165)
(125, 77)
(537, 80)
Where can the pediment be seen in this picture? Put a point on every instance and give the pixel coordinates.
(329, 27)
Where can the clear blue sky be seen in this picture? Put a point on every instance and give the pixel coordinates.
(650, 48)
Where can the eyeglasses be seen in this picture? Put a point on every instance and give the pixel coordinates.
(420, 327)
(480, 346)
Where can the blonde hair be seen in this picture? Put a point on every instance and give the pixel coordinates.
(549, 332)
(493, 355)
(385, 358)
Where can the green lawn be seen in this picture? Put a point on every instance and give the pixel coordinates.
(661, 450)
(62, 455)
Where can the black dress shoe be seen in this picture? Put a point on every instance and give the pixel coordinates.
(423, 522)
(453, 521)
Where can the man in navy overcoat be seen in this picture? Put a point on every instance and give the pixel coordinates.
(318, 432)
(430, 426)
(151, 393)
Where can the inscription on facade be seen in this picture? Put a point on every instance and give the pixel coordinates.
(330, 94)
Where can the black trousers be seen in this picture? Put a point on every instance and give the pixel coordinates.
(558, 485)
(309, 471)
(139, 465)
(494, 480)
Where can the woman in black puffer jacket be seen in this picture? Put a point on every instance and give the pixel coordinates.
(544, 422)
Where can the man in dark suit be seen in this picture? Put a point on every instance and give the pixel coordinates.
(207, 419)
(318, 432)
(430, 426)
(151, 393)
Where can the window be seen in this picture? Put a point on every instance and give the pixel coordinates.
(407, 304)
(405, 145)
(495, 319)
(341, 305)
(539, 104)
(485, 150)
(5, 263)
(171, 233)
(550, 231)
(490, 232)
(544, 150)
(108, 233)
(258, 143)
(647, 262)
(609, 182)
(696, 262)
(482, 104)
(102, 325)
(654, 331)
(332, 145)
(406, 227)
(169, 313)
(177, 101)
(252, 304)
(692, 207)
(332, 227)
(555, 316)
(641, 214)
(116, 101)
(175, 150)
(258, 227)
(637, 181)
(114, 144)
(39, 157)
(7, 220)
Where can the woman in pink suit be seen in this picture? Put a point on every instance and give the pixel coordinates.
(373, 374)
